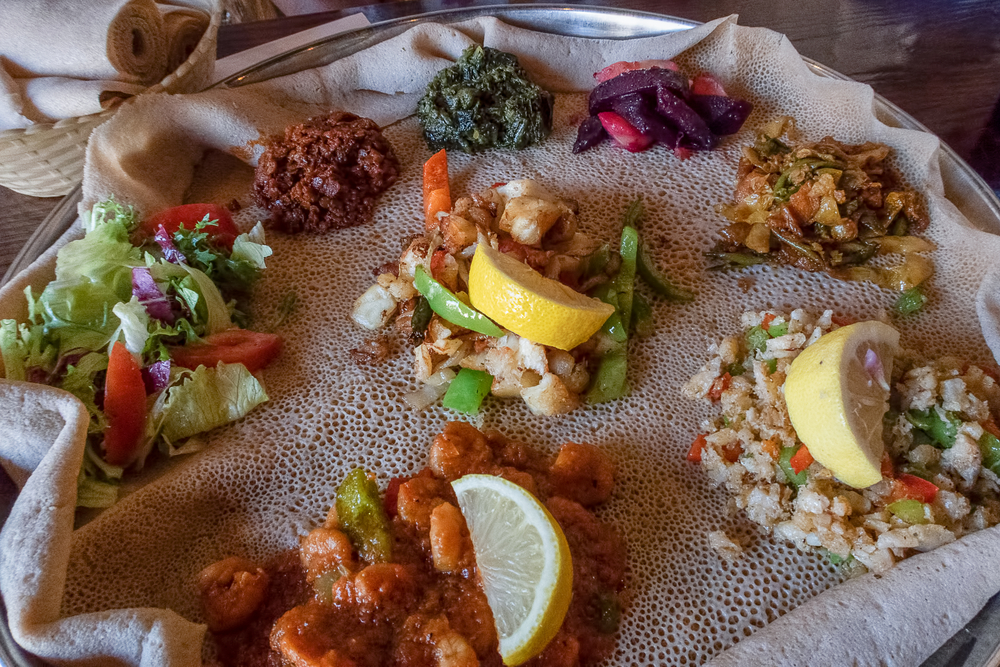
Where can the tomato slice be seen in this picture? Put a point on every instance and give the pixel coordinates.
(189, 215)
(253, 349)
(124, 407)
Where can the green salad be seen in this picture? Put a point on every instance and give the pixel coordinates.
(140, 324)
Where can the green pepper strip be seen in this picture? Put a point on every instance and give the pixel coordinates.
(635, 213)
(657, 280)
(608, 383)
(362, 516)
(942, 431)
(444, 302)
(625, 282)
(467, 391)
(989, 445)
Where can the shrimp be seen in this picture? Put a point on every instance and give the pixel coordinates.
(381, 592)
(417, 499)
(231, 591)
(461, 449)
(324, 550)
(449, 648)
(451, 546)
(452, 650)
(299, 649)
(583, 473)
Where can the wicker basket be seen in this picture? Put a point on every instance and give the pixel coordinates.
(46, 159)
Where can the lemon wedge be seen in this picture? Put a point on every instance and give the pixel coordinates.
(523, 560)
(524, 301)
(837, 392)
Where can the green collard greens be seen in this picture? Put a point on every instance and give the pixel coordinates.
(485, 100)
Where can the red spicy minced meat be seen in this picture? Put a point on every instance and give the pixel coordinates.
(325, 173)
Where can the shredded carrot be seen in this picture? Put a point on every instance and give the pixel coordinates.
(801, 460)
(766, 324)
(772, 447)
(437, 196)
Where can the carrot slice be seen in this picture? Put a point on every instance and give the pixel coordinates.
(437, 196)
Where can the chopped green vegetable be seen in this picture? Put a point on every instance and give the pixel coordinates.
(467, 391)
(485, 100)
(362, 516)
(785, 463)
(772, 366)
(910, 511)
(989, 445)
(91, 492)
(756, 338)
(421, 317)
(775, 330)
(910, 301)
(941, 427)
(838, 560)
(444, 302)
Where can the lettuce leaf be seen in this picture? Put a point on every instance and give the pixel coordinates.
(79, 381)
(251, 247)
(78, 312)
(105, 255)
(24, 347)
(210, 397)
(13, 351)
(98, 482)
(133, 325)
(211, 307)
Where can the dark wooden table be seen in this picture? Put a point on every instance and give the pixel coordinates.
(937, 59)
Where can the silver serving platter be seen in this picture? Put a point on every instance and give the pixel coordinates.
(976, 645)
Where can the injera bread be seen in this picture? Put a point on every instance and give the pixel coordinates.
(126, 579)
(103, 39)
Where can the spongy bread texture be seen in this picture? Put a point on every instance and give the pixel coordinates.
(268, 479)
